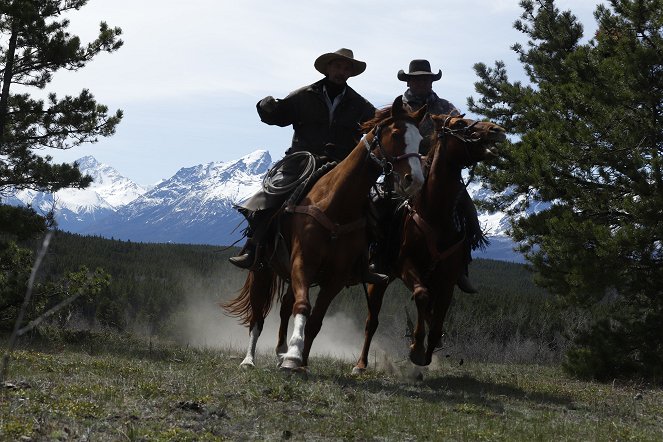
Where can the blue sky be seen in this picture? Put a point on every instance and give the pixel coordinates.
(190, 73)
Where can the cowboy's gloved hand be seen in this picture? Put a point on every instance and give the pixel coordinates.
(267, 104)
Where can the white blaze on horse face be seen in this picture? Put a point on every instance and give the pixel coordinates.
(412, 140)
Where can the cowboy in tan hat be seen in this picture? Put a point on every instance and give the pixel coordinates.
(342, 63)
(326, 118)
(420, 80)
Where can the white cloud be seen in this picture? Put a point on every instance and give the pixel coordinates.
(189, 68)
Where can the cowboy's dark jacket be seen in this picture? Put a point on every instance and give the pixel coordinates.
(307, 111)
(436, 106)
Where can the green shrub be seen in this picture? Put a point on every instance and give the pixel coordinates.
(627, 345)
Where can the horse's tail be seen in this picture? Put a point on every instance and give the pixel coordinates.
(255, 297)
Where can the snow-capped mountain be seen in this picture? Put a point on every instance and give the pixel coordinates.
(109, 184)
(75, 209)
(193, 206)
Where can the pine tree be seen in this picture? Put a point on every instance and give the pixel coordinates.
(588, 144)
(35, 44)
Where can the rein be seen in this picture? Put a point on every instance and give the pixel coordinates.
(460, 134)
(432, 237)
(385, 162)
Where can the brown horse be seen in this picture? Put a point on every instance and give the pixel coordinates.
(431, 255)
(324, 237)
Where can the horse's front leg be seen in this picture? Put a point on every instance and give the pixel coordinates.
(301, 309)
(292, 359)
(258, 298)
(441, 304)
(374, 301)
(418, 348)
(285, 312)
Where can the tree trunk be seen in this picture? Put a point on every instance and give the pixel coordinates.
(6, 81)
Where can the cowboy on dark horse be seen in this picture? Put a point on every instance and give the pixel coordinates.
(326, 118)
(420, 92)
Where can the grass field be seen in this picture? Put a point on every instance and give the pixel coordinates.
(105, 386)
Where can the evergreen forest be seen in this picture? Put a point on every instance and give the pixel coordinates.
(149, 286)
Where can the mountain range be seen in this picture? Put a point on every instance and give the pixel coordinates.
(194, 206)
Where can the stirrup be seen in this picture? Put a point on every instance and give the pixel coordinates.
(372, 277)
(465, 285)
(245, 260)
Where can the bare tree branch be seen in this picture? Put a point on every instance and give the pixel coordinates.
(26, 301)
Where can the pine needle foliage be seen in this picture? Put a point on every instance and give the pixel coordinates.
(587, 145)
(34, 44)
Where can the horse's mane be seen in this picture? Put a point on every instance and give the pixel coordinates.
(433, 142)
(380, 115)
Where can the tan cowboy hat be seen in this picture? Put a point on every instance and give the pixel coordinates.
(345, 54)
(419, 67)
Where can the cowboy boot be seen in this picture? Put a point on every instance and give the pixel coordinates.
(247, 255)
(465, 285)
(257, 230)
(371, 277)
(475, 234)
(463, 282)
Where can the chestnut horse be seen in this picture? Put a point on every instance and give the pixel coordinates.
(324, 237)
(432, 254)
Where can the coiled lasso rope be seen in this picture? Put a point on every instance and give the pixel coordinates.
(271, 187)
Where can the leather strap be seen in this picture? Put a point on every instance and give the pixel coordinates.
(335, 228)
(432, 238)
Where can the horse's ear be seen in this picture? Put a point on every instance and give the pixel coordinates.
(420, 114)
(438, 120)
(397, 108)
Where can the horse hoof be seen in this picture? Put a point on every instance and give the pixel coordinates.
(356, 371)
(291, 364)
(247, 365)
(418, 359)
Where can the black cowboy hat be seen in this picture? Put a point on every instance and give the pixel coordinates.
(344, 54)
(419, 67)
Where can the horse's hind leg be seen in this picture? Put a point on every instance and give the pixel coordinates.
(325, 296)
(285, 312)
(374, 300)
(254, 334)
(259, 295)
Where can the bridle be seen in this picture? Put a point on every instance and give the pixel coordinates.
(385, 161)
(462, 134)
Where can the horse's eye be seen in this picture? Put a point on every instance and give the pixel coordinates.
(398, 133)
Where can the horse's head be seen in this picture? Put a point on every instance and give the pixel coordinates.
(394, 146)
(478, 138)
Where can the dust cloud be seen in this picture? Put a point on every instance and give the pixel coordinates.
(204, 324)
